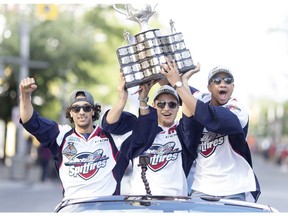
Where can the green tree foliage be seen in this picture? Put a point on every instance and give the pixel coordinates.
(8, 95)
(8, 78)
(79, 48)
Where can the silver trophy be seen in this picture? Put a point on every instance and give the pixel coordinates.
(140, 61)
(137, 13)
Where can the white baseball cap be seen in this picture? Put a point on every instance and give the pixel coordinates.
(166, 89)
(219, 69)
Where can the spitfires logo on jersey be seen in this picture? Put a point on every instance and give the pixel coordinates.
(87, 164)
(209, 143)
(161, 155)
(70, 150)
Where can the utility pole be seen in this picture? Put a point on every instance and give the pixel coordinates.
(19, 162)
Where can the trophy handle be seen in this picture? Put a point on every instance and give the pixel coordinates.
(154, 8)
(120, 10)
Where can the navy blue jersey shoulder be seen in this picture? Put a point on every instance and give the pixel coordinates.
(144, 129)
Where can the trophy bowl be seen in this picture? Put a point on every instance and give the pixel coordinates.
(140, 61)
(139, 13)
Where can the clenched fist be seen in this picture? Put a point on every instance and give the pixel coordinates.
(27, 85)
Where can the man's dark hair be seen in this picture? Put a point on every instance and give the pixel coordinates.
(96, 116)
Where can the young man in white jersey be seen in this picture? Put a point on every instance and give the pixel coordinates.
(223, 162)
(169, 159)
(89, 160)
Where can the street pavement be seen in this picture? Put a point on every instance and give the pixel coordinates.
(273, 182)
(29, 194)
(32, 195)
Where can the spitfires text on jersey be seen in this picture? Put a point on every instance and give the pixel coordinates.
(160, 155)
(86, 165)
(209, 143)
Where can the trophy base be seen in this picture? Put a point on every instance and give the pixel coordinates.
(140, 62)
(142, 81)
(155, 77)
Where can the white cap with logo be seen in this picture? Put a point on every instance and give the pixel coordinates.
(166, 89)
(219, 69)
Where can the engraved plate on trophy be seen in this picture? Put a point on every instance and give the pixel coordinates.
(140, 61)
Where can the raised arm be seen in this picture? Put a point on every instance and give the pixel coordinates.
(171, 72)
(117, 109)
(143, 97)
(26, 87)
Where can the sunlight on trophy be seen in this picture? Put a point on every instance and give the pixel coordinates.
(140, 60)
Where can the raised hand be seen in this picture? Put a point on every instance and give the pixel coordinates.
(123, 93)
(27, 85)
(186, 76)
(145, 88)
(170, 71)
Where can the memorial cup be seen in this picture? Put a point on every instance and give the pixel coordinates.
(140, 60)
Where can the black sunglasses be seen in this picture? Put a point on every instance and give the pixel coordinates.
(162, 104)
(217, 80)
(85, 108)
